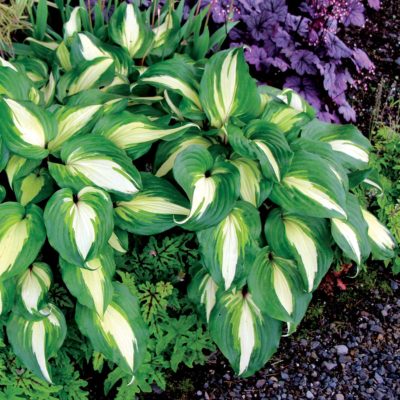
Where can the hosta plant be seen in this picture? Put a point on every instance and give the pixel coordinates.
(127, 126)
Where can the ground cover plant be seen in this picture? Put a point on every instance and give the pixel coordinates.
(129, 125)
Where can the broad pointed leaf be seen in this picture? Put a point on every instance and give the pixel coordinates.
(233, 240)
(120, 334)
(310, 188)
(79, 227)
(36, 341)
(153, 209)
(227, 89)
(95, 161)
(91, 283)
(212, 186)
(22, 234)
(303, 239)
(246, 336)
(18, 167)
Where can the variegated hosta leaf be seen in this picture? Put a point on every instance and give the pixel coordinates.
(4, 155)
(42, 49)
(88, 75)
(175, 75)
(168, 151)
(78, 227)
(202, 291)
(36, 341)
(120, 334)
(350, 146)
(95, 161)
(329, 157)
(227, 89)
(351, 234)
(14, 84)
(119, 241)
(381, 240)
(7, 64)
(73, 24)
(32, 288)
(63, 57)
(166, 35)
(153, 209)
(246, 336)
(128, 29)
(136, 133)
(19, 167)
(277, 289)
(368, 176)
(26, 128)
(7, 294)
(34, 187)
(310, 188)
(253, 187)
(233, 241)
(49, 90)
(73, 121)
(212, 186)
(112, 103)
(22, 234)
(35, 68)
(266, 143)
(91, 283)
(295, 101)
(304, 239)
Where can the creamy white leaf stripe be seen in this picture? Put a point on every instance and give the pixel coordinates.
(102, 172)
(94, 280)
(305, 247)
(349, 234)
(115, 243)
(31, 187)
(250, 177)
(39, 346)
(89, 50)
(282, 289)
(265, 149)
(154, 205)
(31, 288)
(11, 244)
(208, 290)
(131, 38)
(377, 232)
(5, 63)
(27, 124)
(117, 329)
(203, 196)
(313, 192)
(350, 148)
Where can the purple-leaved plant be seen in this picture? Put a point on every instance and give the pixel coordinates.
(300, 45)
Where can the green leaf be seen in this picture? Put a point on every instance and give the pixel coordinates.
(22, 234)
(277, 289)
(4, 155)
(266, 143)
(175, 75)
(91, 283)
(348, 143)
(128, 29)
(88, 75)
(7, 294)
(79, 227)
(212, 186)
(34, 187)
(136, 133)
(95, 161)
(153, 209)
(32, 288)
(351, 234)
(310, 188)
(14, 84)
(168, 151)
(19, 167)
(246, 336)
(303, 239)
(234, 238)
(119, 241)
(73, 121)
(41, 19)
(227, 89)
(34, 342)
(381, 240)
(26, 128)
(120, 334)
(254, 188)
(202, 291)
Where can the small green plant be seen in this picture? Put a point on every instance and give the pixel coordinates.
(265, 186)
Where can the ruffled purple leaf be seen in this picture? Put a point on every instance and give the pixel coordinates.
(304, 62)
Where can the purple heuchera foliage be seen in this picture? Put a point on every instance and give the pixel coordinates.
(303, 46)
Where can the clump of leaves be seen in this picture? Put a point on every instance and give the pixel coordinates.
(125, 125)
